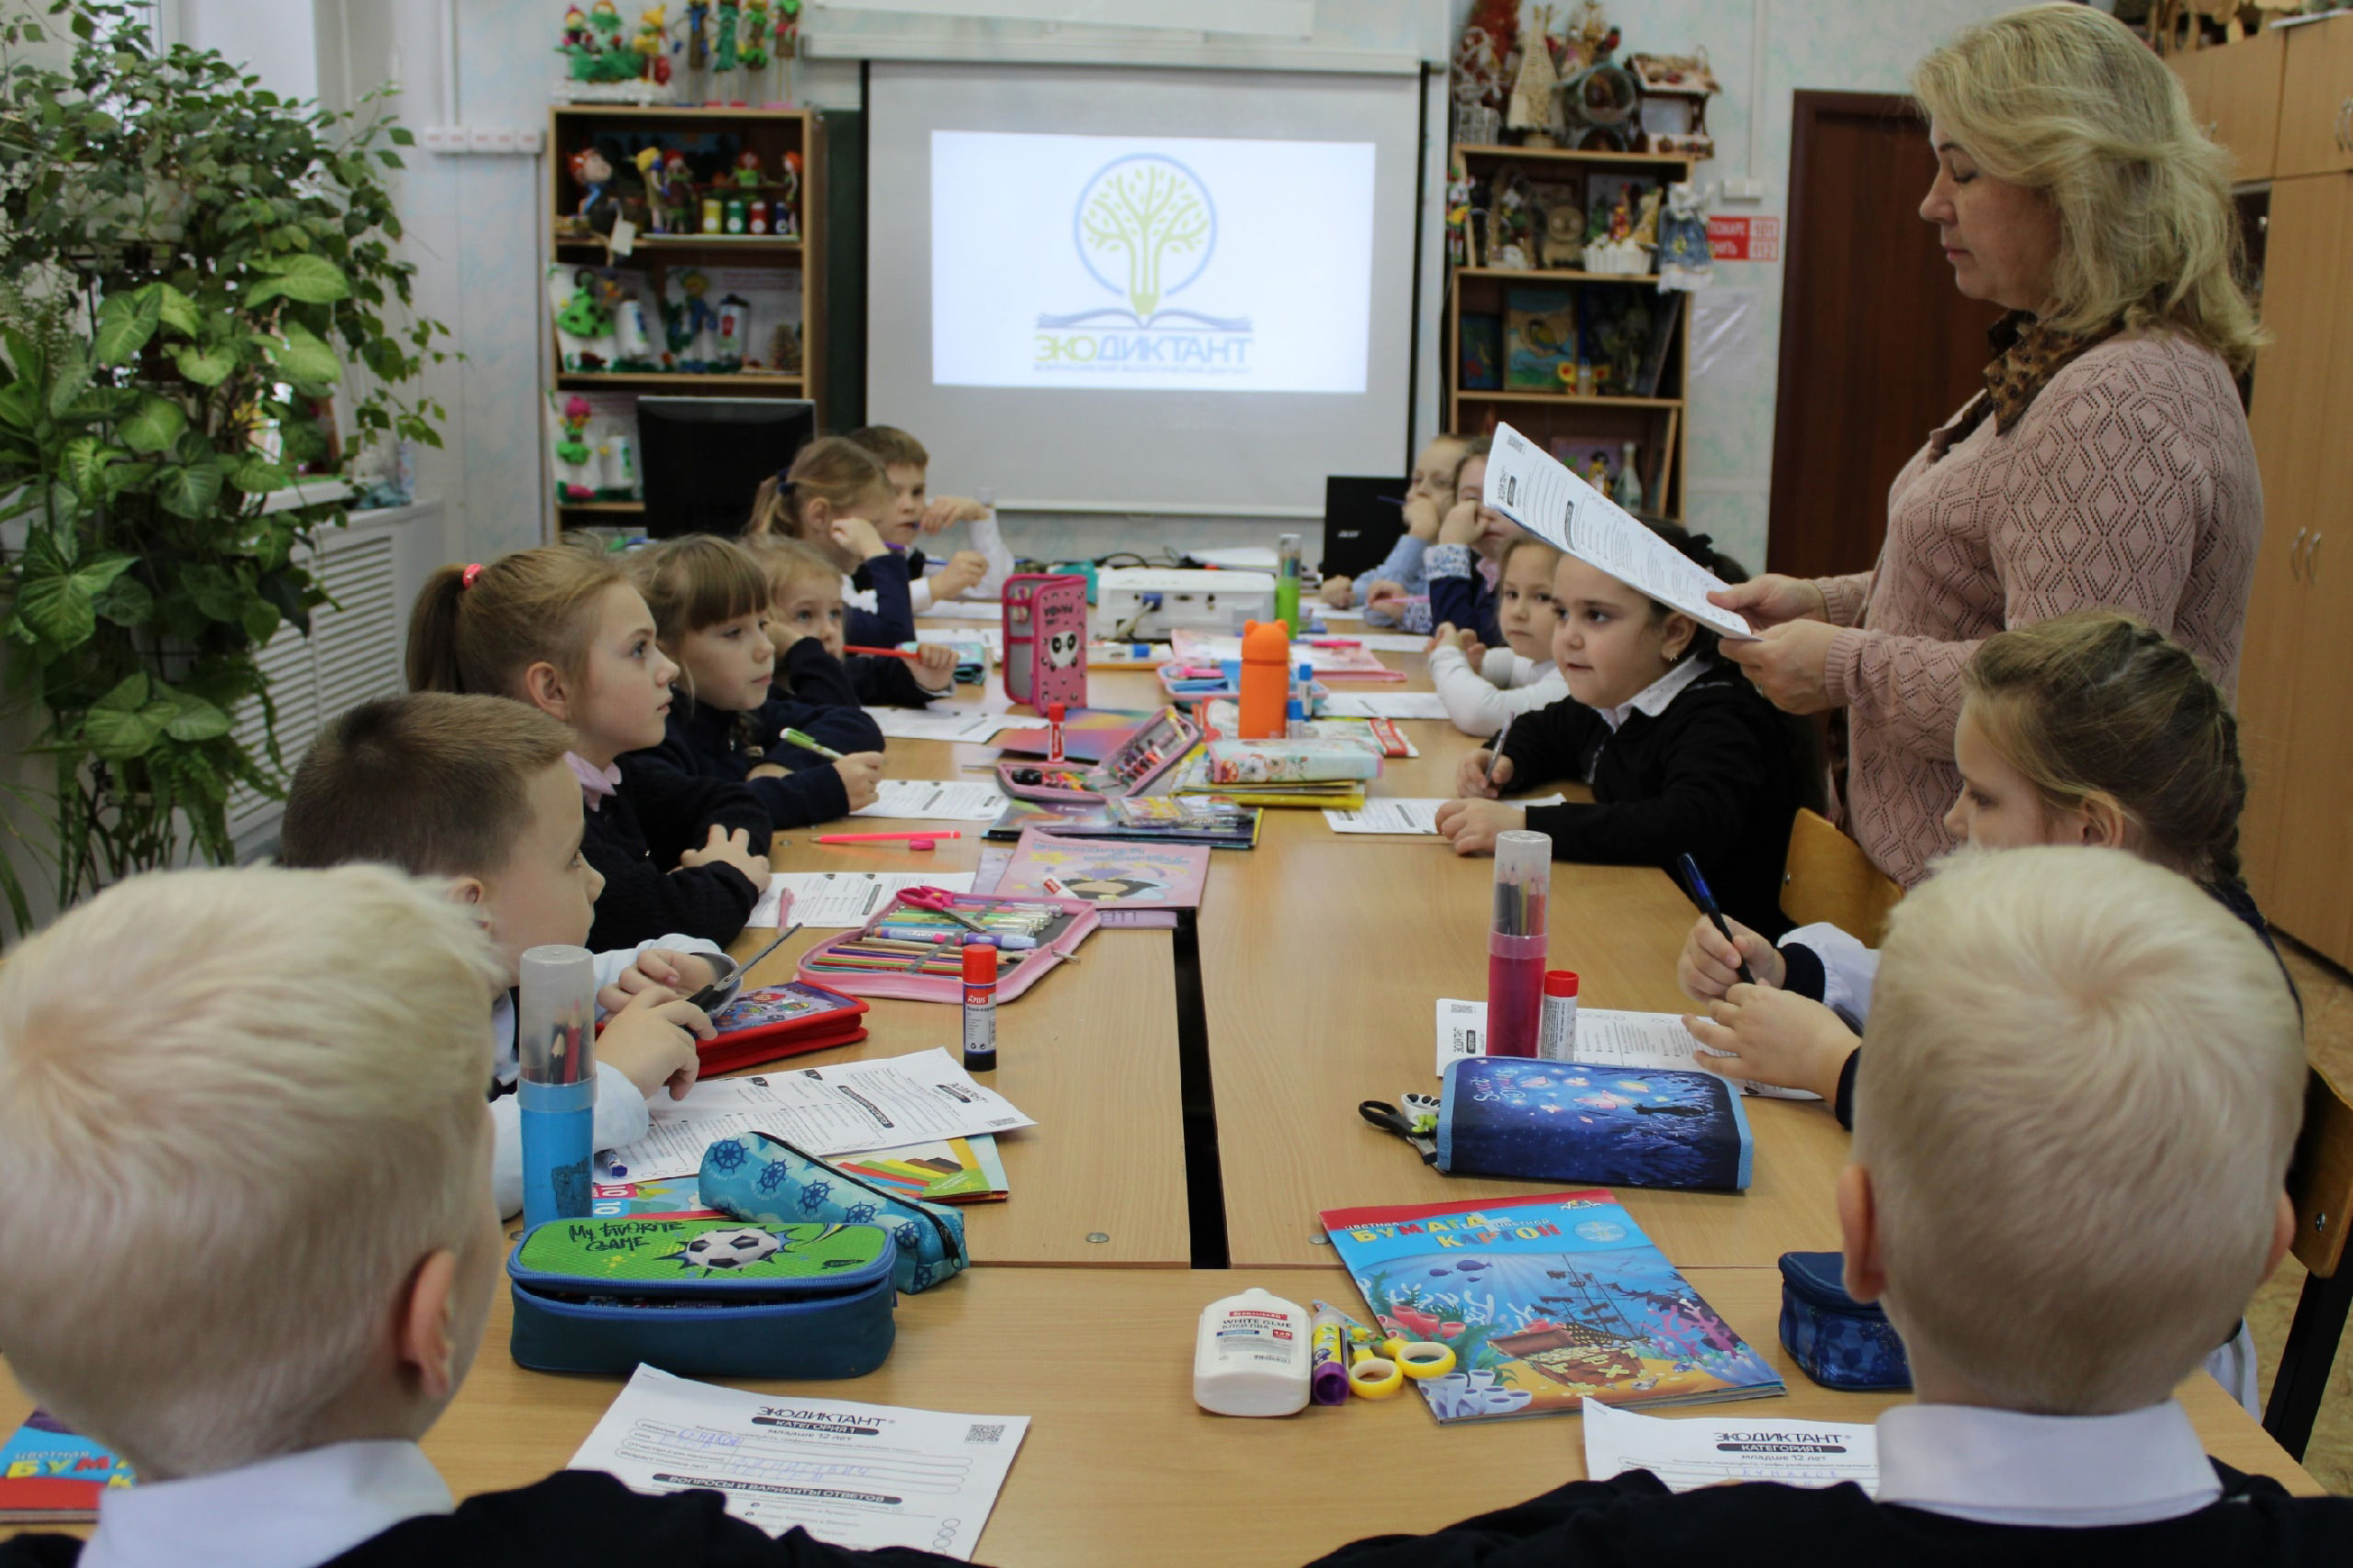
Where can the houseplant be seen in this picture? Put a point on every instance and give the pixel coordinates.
(193, 271)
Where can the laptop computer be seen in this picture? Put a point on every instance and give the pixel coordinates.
(1362, 518)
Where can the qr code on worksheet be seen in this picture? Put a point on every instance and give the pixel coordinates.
(984, 1432)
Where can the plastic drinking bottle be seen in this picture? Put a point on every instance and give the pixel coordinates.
(1266, 680)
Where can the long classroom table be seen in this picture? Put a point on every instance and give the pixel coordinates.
(1320, 958)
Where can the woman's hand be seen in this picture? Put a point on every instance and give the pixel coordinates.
(1462, 525)
(1469, 826)
(1773, 1037)
(1472, 780)
(1789, 663)
(1710, 966)
(1773, 599)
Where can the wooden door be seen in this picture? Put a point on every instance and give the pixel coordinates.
(2314, 872)
(1877, 348)
(2241, 109)
(2316, 98)
(2289, 417)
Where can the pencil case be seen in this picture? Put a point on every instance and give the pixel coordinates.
(703, 1298)
(1535, 1120)
(771, 1022)
(1018, 968)
(1838, 1341)
(1145, 763)
(760, 1179)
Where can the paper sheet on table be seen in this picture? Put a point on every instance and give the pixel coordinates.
(966, 609)
(1537, 491)
(934, 800)
(844, 1107)
(1622, 1042)
(1688, 1452)
(957, 722)
(1403, 813)
(1385, 705)
(993, 636)
(844, 898)
(1326, 612)
(1391, 642)
(853, 1475)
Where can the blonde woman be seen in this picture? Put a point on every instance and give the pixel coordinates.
(2107, 463)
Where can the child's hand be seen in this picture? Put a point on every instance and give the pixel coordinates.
(1336, 592)
(859, 769)
(945, 511)
(935, 667)
(658, 968)
(963, 572)
(653, 1041)
(1472, 781)
(769, 770)
(858, 536)
(1383, 594)
(1462, 525)
(1710, 966)
(1471, 826)
(1422, 520)
(780, 636)
(1774, 1037)
(725, 849)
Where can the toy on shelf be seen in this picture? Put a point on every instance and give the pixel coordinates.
(1560, 220)
(747, 169)
(690, 319)
(1628, 490)
(1459, 188)
(583, 327)
(599, 202)
(734, 330)
(1675, 89)
(574, 458)
(723, 44)
(754, 54)
(698, 35)
(1511, 221)
(651, 44)
(1531, 111)
(649, 174)
(788, 207)
(787, 41)
(676, 196)
(1686, 261)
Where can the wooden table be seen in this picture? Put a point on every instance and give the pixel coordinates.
(1122, 1467)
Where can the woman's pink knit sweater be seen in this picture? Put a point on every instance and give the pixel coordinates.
(2129, 483)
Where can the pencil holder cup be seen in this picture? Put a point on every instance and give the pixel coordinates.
(555, 1046)
(1517, 942)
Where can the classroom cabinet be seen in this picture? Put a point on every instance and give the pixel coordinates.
(2296, 673)
(2315, 133)
(2238, 101)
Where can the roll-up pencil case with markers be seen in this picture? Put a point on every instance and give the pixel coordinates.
(759, 1177)
(703, 1297)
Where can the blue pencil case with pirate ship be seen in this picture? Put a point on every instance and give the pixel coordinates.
(1537, 1120)
(703, 1297)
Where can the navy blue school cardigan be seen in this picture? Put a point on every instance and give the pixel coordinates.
(714, 742)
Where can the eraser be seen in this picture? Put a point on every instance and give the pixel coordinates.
(923, 844)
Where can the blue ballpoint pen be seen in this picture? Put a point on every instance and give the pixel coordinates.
(1698, 886)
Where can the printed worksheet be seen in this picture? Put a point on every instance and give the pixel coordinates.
(845, 1108)
(841, 899)
(965, 610)
(1393, 642)
(944, 721)
(1330, 612)
(1631, 1043)
(1385, 705)
(1537, 491)
(1402, 813)
(994, 636)
(860, 1476)
(936, 800)
(1692, 1451)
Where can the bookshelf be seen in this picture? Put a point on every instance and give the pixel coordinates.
(1654, 423)
(765, 267)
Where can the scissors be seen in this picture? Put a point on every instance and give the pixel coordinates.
(939, 901)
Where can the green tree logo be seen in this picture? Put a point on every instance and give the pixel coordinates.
(1145, 229)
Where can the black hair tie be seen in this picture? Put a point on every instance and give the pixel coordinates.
(1702, 545)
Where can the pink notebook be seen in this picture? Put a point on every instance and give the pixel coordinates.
(1111, 874)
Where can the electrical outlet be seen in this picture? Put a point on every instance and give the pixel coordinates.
(529, 140)
(1744, 190)
(445, 139)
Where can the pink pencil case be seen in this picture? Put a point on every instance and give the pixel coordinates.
(1143, 763)
(1018, 969)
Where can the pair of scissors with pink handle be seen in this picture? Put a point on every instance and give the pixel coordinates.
(939, 901)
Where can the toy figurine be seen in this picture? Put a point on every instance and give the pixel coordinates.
(577, 47)
(1511, 222)
(653, 51)
(723, 47)
(787, 206)
(747, 170)
(787, 39)
(1621, 219)
(1597, 474)
(693, 318)
(1457, 219)
(584, 317)
(1686, 261)
(1646, 221)
(572, 452)
(678, 193)
(755, 51)
(649, 173)
(598, 208)
(698, 42)
(1627, 492)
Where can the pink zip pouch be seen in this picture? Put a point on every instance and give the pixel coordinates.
(853, 962)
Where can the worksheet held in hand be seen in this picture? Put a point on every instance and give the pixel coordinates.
(1537, 491)
(860, 1476)
(1624, 1041)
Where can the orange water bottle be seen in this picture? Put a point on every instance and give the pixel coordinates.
(1266, 680)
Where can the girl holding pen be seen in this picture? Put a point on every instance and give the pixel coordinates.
(807, 761)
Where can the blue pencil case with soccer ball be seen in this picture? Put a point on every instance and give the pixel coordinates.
(1838, 1341)
(761, 1179)
(703, 1297)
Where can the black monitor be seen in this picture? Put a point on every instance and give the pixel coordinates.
(1362, 518)
(704, 457)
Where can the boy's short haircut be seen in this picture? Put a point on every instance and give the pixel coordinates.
(787, 560)
(236, 1108)
(434, 783)
(892, 446)
(2081, 1083)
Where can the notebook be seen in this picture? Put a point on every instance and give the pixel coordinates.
(1105, 872)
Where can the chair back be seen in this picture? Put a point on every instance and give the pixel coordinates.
(2320, 1178)
(1828, 878)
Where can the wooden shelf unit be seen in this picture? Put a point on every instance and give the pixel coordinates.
(1655, 424)
(622, 129)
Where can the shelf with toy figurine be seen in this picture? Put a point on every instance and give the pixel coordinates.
(673, 380)
(1467, 394)
(1572, 155)
(691, 242)
(626, 507)
(1556, 275)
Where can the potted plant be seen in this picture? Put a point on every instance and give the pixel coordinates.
(192, 270)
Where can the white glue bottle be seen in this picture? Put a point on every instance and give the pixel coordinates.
(1252, 1356)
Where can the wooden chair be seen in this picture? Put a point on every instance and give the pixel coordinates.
(1828, 876)
(2320, 1184)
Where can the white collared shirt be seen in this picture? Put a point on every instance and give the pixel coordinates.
(2005, 1467)
(295, 1511)
(1653, 699)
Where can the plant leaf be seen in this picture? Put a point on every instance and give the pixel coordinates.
(69, 373)
(84, 462)
(205, 367)
(256, 476)
(307, 276)
(188, 489)
(125, 723)
(194, 719)
(178, 312)
(127, 602)
(155, 425)
(125, 324)
(303, 357)
(57, 609)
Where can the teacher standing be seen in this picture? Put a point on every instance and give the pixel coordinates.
(2107, 463)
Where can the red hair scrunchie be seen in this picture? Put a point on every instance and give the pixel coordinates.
(466, 579)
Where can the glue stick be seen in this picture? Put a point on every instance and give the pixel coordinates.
(1250, 1357)
(1054, 711)
(1556, 1028)
(980, 1007)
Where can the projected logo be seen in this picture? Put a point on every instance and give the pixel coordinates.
(1145, 228)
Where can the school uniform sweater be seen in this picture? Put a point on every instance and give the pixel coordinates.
(713, 743)
(1462, 591)
(634, 838)
(878, 611)
(1711, 774)
(890, 683)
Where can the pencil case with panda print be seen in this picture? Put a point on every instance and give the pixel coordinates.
(703, 1297)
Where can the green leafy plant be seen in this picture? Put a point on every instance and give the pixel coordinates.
(189, 264)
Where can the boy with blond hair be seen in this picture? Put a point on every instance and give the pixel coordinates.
(2072, 1129)
(252, 1100)
(477, 790)
(986, 566)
